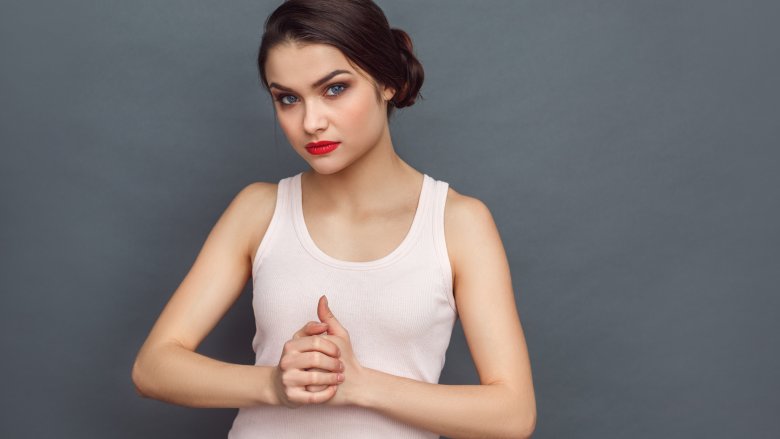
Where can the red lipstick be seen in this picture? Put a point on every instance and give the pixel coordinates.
(322, 147)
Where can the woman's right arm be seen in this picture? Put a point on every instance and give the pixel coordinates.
(167, 367)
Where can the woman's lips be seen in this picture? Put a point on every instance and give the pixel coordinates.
(322, 147)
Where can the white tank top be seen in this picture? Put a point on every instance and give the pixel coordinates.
(399, 311)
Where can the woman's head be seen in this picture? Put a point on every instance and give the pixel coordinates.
(336, 70)
(357, 28)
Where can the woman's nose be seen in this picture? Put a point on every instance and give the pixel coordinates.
(314, 119)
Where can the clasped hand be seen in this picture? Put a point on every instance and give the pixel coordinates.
(318, 365)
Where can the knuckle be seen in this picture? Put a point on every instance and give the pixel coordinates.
(329, 340)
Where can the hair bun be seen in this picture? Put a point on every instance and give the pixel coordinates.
(413, 70)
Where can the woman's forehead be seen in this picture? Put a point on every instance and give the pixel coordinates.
(297, 65)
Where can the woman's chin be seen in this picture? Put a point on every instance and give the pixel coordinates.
(326, 167)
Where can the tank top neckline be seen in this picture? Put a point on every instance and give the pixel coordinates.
(312, 248)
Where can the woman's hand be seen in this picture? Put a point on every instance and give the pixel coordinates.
(354, 376)
(305, 351)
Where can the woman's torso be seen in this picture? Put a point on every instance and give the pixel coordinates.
(395, 298)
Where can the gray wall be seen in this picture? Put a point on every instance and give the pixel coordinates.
(624, 148)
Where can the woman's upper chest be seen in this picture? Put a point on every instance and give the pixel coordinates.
(358, 237)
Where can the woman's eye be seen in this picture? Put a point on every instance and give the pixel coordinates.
(336, 89)
(285, 99)
(333, 90)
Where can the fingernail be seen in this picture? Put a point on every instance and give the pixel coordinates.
(340, 377)
(341, 365)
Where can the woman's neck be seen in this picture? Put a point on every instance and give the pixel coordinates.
(379, 178)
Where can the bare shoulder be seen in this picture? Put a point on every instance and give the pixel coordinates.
(258, 193)
(255, 205)
(468, 225)
(459, 206)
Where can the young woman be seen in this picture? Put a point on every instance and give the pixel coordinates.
(377, 256)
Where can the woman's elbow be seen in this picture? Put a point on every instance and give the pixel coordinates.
(136, 375)
(527, 429)
(528, 424)
(524, 425)
(519, 430)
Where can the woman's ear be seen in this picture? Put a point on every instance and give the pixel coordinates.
(388, 93)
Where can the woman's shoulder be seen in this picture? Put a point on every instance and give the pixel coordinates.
(468, 224)
(462, 209)
(256, 198)
(258, 190)
(254, 207)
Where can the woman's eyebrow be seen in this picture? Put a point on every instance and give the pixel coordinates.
(316, 84)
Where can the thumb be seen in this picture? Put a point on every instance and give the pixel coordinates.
(326, 316)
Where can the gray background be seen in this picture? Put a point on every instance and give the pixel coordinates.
(627, 150)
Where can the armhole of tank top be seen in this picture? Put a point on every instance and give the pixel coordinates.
(440, 243)
(265, 242)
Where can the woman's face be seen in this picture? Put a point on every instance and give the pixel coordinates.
(319, 96)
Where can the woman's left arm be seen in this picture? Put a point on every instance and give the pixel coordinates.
(503, 404)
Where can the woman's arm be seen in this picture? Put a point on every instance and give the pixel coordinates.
(167, 367)
(503, 405)
(177, 375)
(457, 411)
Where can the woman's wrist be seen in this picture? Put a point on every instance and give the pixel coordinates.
(361, 388)
(266, 388)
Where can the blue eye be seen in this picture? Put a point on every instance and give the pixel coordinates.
(339, 87)
(331, 91)
(283, 100)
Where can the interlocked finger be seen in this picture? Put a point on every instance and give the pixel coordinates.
(310, 328)
(301, 396)
(303, 378)
(313, 343)
(315, 360)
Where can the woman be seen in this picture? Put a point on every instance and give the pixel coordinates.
(379, 257)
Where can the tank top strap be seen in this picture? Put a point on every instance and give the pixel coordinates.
(280, 217)
(438, 203)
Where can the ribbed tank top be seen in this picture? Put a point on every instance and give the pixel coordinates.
(399, 311)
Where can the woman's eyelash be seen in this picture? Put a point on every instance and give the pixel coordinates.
(280, 99)
(343, 87)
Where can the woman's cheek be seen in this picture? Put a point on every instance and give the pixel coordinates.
(361, 115)
(290, 128)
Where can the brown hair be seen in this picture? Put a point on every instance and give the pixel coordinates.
(359, 29)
